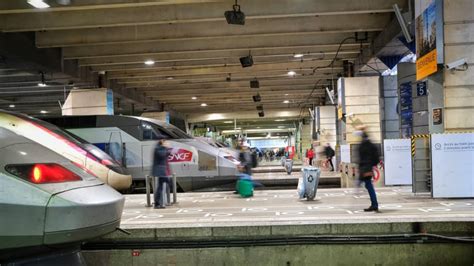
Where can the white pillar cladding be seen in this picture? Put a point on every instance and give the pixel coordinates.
(327, 124)
(89, 102)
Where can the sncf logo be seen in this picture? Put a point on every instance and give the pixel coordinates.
(180, 155)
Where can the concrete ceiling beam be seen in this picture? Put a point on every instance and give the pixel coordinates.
(186, 13)
(17, 7)
(219, 62)
(289, 27)
(322, 52)
(205, 84)
(219, 44)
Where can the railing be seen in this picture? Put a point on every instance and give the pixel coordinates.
(150, 183)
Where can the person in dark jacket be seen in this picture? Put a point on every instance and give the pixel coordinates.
(368, 158)
(161, 172)
(329, 152)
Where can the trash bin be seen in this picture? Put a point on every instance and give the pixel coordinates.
(289, 166)
(310, 182)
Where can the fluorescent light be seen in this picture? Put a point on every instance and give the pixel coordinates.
(11, 106)
(291, 73)
(298, 55)
(286, 101)
(279, 120)
(169, 78)
(43, 112)
(41, 84)
(194, 98)
(203, 104)
(149, 62)
(228, 122)
(38, 3)
(286, 94)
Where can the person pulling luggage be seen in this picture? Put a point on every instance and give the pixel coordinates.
(329, 152)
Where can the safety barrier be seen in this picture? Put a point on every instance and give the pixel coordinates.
(150, 183)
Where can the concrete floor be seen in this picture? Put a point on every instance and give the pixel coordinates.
(282, 207)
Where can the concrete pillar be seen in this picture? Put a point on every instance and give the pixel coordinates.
(89, 102)
(390, 111)
(459, 85)
(360, 97)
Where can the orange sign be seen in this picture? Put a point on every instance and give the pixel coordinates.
(426, 65)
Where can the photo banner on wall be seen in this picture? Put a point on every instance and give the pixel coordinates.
(452, 165)
(397, 159)
(426, 52)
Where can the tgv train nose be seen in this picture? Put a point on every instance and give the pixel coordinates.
(82, 213)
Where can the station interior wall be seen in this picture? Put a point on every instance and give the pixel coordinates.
(390, 114)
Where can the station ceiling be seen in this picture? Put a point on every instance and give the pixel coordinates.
(195, 52)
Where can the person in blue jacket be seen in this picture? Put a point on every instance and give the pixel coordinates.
(161, 172)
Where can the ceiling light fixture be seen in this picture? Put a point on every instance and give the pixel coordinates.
(291, 73)
(203, 104)
(149, 62)
(11, 106)
(169, 78)
(228, 122)
(286, 101)
(43, 112)
(279, 120)
(298, 55)
(38, 4)
(235, 16)
(194, 98)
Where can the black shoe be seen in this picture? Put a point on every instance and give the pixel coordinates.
(372, 209)
(159, 207)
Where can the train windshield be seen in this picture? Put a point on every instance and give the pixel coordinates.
(152, 131)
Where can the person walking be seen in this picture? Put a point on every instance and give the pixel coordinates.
(161, 172)
(368, 158)
(310, 155)
(329, 152)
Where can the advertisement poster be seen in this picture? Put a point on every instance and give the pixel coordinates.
(397, 157)
(453, 168)
(345, 153)
(406, 112)
(437, 116)
(426, 54)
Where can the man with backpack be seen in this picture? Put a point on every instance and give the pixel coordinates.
(368, 158)
(329, 152)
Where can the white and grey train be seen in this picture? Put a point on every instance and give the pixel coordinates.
(49, 202)
(131, 141)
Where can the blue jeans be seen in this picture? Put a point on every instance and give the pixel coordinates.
(158, 193)
(370, 188)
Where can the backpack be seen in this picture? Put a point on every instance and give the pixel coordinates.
(254, 160)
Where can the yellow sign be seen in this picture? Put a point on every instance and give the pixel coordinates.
(339, 113)
(426, 65)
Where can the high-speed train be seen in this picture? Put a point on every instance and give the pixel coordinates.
(69, 146)
(131, 140)
(48, 201)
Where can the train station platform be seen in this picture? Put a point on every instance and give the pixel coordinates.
(273, 225)
(282, 179)
(282, 207)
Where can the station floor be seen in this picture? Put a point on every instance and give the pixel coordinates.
(282, 207)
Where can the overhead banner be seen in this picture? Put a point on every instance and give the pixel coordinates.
(426, 53)
(397, 156)
(452, 162)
